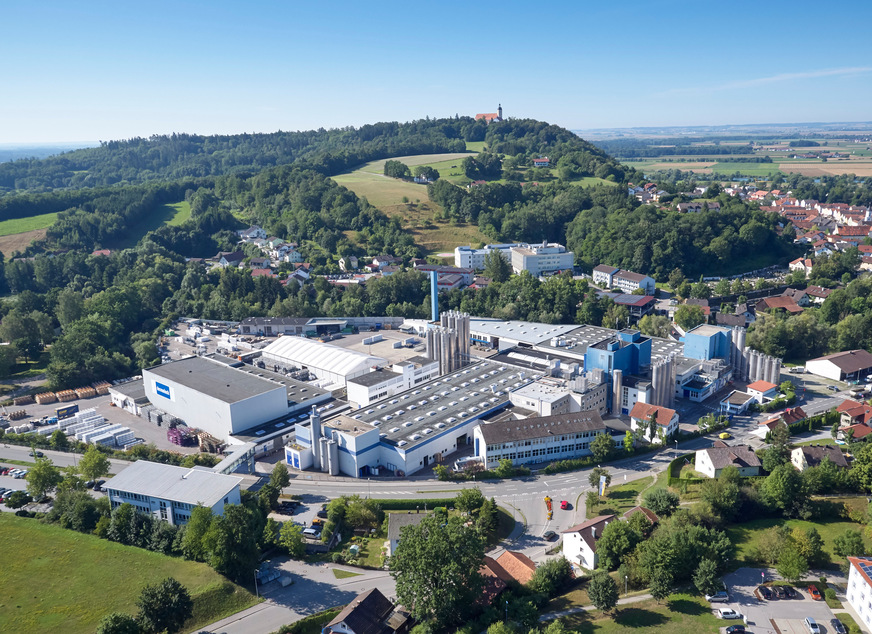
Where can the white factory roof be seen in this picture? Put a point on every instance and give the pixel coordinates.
(519, 330)
(190, 486)
(321, 356)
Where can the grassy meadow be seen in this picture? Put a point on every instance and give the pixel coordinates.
(60, 580)
(21, 225)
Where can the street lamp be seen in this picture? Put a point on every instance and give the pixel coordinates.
(625, 584)
(676, 444)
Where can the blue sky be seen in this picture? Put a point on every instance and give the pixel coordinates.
(97, 70)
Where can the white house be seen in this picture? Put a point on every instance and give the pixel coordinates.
(860, 588)
(252, 233)
(667, 420)
(170, 493)
(736, 403)
(398, 521)
(812, 455)
(712, 461)
(762, 391)
(802, 264)
(603, 274)
(579, 542)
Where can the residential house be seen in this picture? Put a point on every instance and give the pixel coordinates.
(748, 312)
(801, 264)
(263, 273)
(389, 270)
(603, 274)
(628, 282)
(859, 589)
(579, 542)
(386, 260)
(762, 391)
(787, 417)
(812, 455)
(842, 366)
(667, 420)
(541, 162)
(103, 252)
(689, 207)
(348, 264)
(227, 259)
(252, 233)
(799, 296)
(729, 321)
(494, 580)
(396, 523)
(853, 413)
(866, 263)
(778, 303)
(818, 294)
(520, 567)
(273, 242)
(259, 263)
(651, 515)
(712, 461)
(287, 253)
(370, 613)
(857, 233)
(856, 432)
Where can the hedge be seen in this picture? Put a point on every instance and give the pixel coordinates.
(311, 624)
(411, 505)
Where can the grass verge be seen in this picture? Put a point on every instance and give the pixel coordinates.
(621, 498)
(344, 574)
(680, 614)
(60, 580)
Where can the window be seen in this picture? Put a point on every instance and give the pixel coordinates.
(226, 501)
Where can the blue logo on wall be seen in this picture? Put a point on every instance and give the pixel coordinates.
(163, 390)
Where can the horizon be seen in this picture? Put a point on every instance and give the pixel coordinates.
(223, 68)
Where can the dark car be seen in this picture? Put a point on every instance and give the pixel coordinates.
(736, 629)
(37, 454)
(837, 626)
(90, 484)
(550, 536)
(791, 592)
(779, 592)
(322, 514)
(765, 592)
(98, 485)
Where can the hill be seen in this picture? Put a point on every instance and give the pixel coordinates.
(60, 580)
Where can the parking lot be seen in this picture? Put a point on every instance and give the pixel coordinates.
(777, 615)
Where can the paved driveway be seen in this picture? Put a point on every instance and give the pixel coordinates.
(787, 613)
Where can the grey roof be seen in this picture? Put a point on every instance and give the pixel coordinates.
(366, 614)
(738, 398)
(275, 321)
(521, 330)
(417, 415)
(629, 275)
(375, 377)
(179, 484)
(543, 426)
(132, 389)
(397, 521)
(219, 381)
(814, 454)
(849, 361)
(605, 268)
(740, 456)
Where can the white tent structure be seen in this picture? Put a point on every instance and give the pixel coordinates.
(327, 362)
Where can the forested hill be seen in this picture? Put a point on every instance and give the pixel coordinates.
(184, 156)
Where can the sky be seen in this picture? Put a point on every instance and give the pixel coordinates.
(95, 70)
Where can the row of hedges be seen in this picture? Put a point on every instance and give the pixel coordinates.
(573, 464)
(311, 624)
(411, 505)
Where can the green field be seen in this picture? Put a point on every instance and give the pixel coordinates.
(745, 536)
(181, 214)
(20, 225)
(58, 580)
(679, 614)
(475, 146)
(748, 169)
(171, 214)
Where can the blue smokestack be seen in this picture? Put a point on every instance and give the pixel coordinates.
(434, 297)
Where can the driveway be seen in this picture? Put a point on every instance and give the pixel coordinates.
(761, 617)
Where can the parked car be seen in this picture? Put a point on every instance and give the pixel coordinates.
(736, 629)
(311, 532)
(815, 593)
(724, 435)
(90, 484)
(322, 514)
(779, 592)
(728, 613)
(765, 592)
(811, 625)
(564, 505)
(98, 485)
(832, 388)
(549, 536)
(791, 592)
(717, 597)
(837, 626)
(37, 454)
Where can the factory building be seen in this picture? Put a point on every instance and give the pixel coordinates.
(467, 257)
(382, 383)
(413, 430)
(543, 439)
(170, 493)
(208, 394)
(547, 257)
(331, 365)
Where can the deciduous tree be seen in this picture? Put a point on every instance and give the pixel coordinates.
(164, 607)
(42, 478)
(603, 591)
(94, 464)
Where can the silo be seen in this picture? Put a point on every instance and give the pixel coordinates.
(617, 384)
(740, 370)
(315, 430)
(656, 380)
(754, 373)
(324, 452)
(777, 373)
(673, 368)
(333, 457)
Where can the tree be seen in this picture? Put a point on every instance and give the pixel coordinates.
(596, 473)
(689, 316)
(809, 544)
(551, 576)
(779, 448)
(291, 539)
(603, 591)
(427, 171)
(279, 477)
(164, 606)
(487, 518)
(617, 539)
(17, 499)
(496, 267)
(118, 623)
(655, 325)
(232, 543)
(660, 585)
(469, 500)
(42, 478)
(676, 279)
(791, 564)
(94, 464)
(59, 440)
(706, 577)
(195, 530)
(397, 169)
(629, 439)
(602, 447)
(783, 489)
(723, 494)
(651, 426)
(436, 570)
(849, 544)
(662, 501)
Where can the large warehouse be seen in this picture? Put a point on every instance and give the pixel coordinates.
(328, 363)
(222, 400)
(851, 365)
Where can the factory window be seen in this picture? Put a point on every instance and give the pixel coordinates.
(226, 501)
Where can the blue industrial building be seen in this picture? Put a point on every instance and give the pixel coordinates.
(708, 342)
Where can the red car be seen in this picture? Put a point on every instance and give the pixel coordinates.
(564, 505)
(815, 593)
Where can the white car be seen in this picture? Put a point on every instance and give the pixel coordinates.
(727, 613)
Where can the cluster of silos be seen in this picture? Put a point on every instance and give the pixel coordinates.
(737, 353)
(325, 451)
(751, 365)
(617, 390)
(448, 343)
(663, 382)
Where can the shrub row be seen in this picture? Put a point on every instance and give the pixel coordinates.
(311, 624)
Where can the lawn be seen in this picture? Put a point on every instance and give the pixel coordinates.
(620, 499)
(20, 225)
(475, 146)
(170, 214)
(745, 536)
(344, 574)
(680, 614)
(182, 213)
(60, 580)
